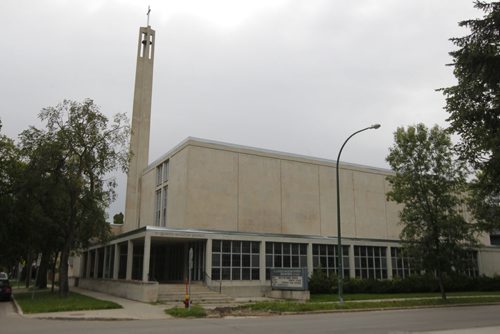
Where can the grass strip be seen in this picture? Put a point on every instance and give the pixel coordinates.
(195, 311)
(368, 296)
(45, 301)
(289, 306)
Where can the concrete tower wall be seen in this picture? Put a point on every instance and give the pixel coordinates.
(141, 116)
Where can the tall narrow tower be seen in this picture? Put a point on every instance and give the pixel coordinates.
(141, 115)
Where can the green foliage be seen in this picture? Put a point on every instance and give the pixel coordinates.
(68, 184)
(196, 311)
(50, 302)
(422, 283)
(319, 282)
(430, 183)
(474, 108)
(118, 219)
(11, 168)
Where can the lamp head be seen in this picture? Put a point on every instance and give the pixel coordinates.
(375, 126)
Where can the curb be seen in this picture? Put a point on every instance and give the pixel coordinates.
(375, 309)
(85, 319)
(18, 308)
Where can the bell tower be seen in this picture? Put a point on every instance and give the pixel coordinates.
(141, 116)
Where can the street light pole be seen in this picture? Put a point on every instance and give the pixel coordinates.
(340, 264)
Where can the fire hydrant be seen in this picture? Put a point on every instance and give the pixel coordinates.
(186, 301)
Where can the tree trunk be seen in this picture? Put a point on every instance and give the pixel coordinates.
(63, 271)
(54, 271)
(41, 279)
(28, 270)
(441, 285)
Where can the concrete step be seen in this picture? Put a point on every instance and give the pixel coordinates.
(200, 294)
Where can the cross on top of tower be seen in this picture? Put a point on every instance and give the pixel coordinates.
(149, 11)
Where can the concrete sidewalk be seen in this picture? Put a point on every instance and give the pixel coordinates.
(131, 310)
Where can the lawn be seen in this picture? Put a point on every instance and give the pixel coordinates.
(289, 306)
(45, 301)
(195, 311)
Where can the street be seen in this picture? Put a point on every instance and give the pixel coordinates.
(401, 321)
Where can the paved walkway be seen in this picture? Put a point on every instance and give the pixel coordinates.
(131, 310)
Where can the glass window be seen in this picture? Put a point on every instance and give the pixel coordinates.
(165, 171)
(158, 208)
(285, 255)
(159, 174)
(370, 262)
(164, 207)
(325, 257)
(401, 264)
(239, 260)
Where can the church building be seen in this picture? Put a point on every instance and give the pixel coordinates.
(243, 211)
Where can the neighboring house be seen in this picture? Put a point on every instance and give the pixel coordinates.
(244, 211)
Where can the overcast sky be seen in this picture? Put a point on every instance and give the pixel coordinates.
(295, 76)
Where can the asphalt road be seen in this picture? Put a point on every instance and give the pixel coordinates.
(394, 322)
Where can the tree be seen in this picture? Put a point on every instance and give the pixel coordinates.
(43, 200)
(11, 168)
(74, 155)
(430, 183)
(474, 108)
(118, 218)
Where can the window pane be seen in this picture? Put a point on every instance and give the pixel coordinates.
(215, 273)
(226, 260)
(226, 273)
(245, 274)
(216, 246)
(236, 246)
(236, 260)
(255, 247)
(269, 247)
(286, 261)
(255, 274)
(245, 247)
(255, 261)
(216, 260)
(246, 260)
(236, 274)
(277, 261)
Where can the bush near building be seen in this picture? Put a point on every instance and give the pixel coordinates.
(319, 282)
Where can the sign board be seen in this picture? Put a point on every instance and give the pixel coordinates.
(289, 279)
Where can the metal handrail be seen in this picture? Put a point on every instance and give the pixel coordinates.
(211, 279)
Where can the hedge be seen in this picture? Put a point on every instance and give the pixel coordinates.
(320, 283)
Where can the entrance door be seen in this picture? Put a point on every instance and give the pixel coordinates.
(170, 261)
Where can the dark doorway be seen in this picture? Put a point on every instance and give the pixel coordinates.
(169, 260)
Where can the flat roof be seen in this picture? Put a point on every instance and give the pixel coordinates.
(207, 143)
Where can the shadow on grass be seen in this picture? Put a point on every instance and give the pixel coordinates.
(45, 301)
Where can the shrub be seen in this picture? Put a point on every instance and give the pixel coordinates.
(422, 283)
(319, 282)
